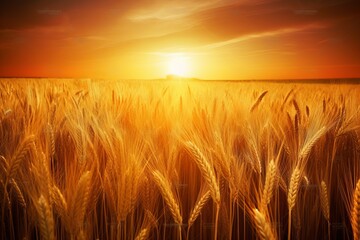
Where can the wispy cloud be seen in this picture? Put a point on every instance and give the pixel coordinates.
(261, 35)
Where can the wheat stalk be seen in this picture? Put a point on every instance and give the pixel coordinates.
(168, 196)
(262, 226)
(124, 195)
(254, 150)
(197, 208)
(206, 170)
(286, 98)
(150, 218)
(134, 186)
(223, 159)
(109, 190)
(306, 180)
(269, 184)
(81, 235)
(46, 221)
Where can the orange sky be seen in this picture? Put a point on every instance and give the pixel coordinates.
(218, 39)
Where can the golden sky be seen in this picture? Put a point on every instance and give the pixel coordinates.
(209, 39)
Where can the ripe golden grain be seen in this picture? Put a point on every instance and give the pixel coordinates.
(79, 202)
(293, 188)
(166, 191)
(355, 213)
(262, 226)
(269, 184)
(206, 170)
(46, 221)
(19, 155)
(258, 101)
(18, 193)
(324, 201)
(143, 234)
(305, 150)
(197, 208)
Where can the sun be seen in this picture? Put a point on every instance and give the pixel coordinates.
(178, 65)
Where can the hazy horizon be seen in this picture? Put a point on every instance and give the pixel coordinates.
(179, 78)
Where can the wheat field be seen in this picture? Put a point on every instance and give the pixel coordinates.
(85, 159)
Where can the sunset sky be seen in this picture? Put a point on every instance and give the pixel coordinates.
(209, 39)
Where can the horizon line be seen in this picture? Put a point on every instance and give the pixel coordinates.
(180, 78)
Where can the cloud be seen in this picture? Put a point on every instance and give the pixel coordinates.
(231, 24)
(261, 35)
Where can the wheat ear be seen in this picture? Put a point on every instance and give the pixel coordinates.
(143, 234)
(19, 155)
(293, 188)
(50, 139)
(305, 150)
(324, 201)
(206, 170)
(145, 194)
(3, 192)
(292, 195)
(46, 220)
(269, 184)
(168, 196)
(59, 202)
(197, 209)
(355, 213)
(124, 195)
(262, 226)
(19, 195)
(80, 200)
(297, 108)
(256, 104)
(4, 166)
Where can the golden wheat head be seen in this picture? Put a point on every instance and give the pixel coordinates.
(206, 170)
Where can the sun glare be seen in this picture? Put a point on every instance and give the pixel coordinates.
(178, 65)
